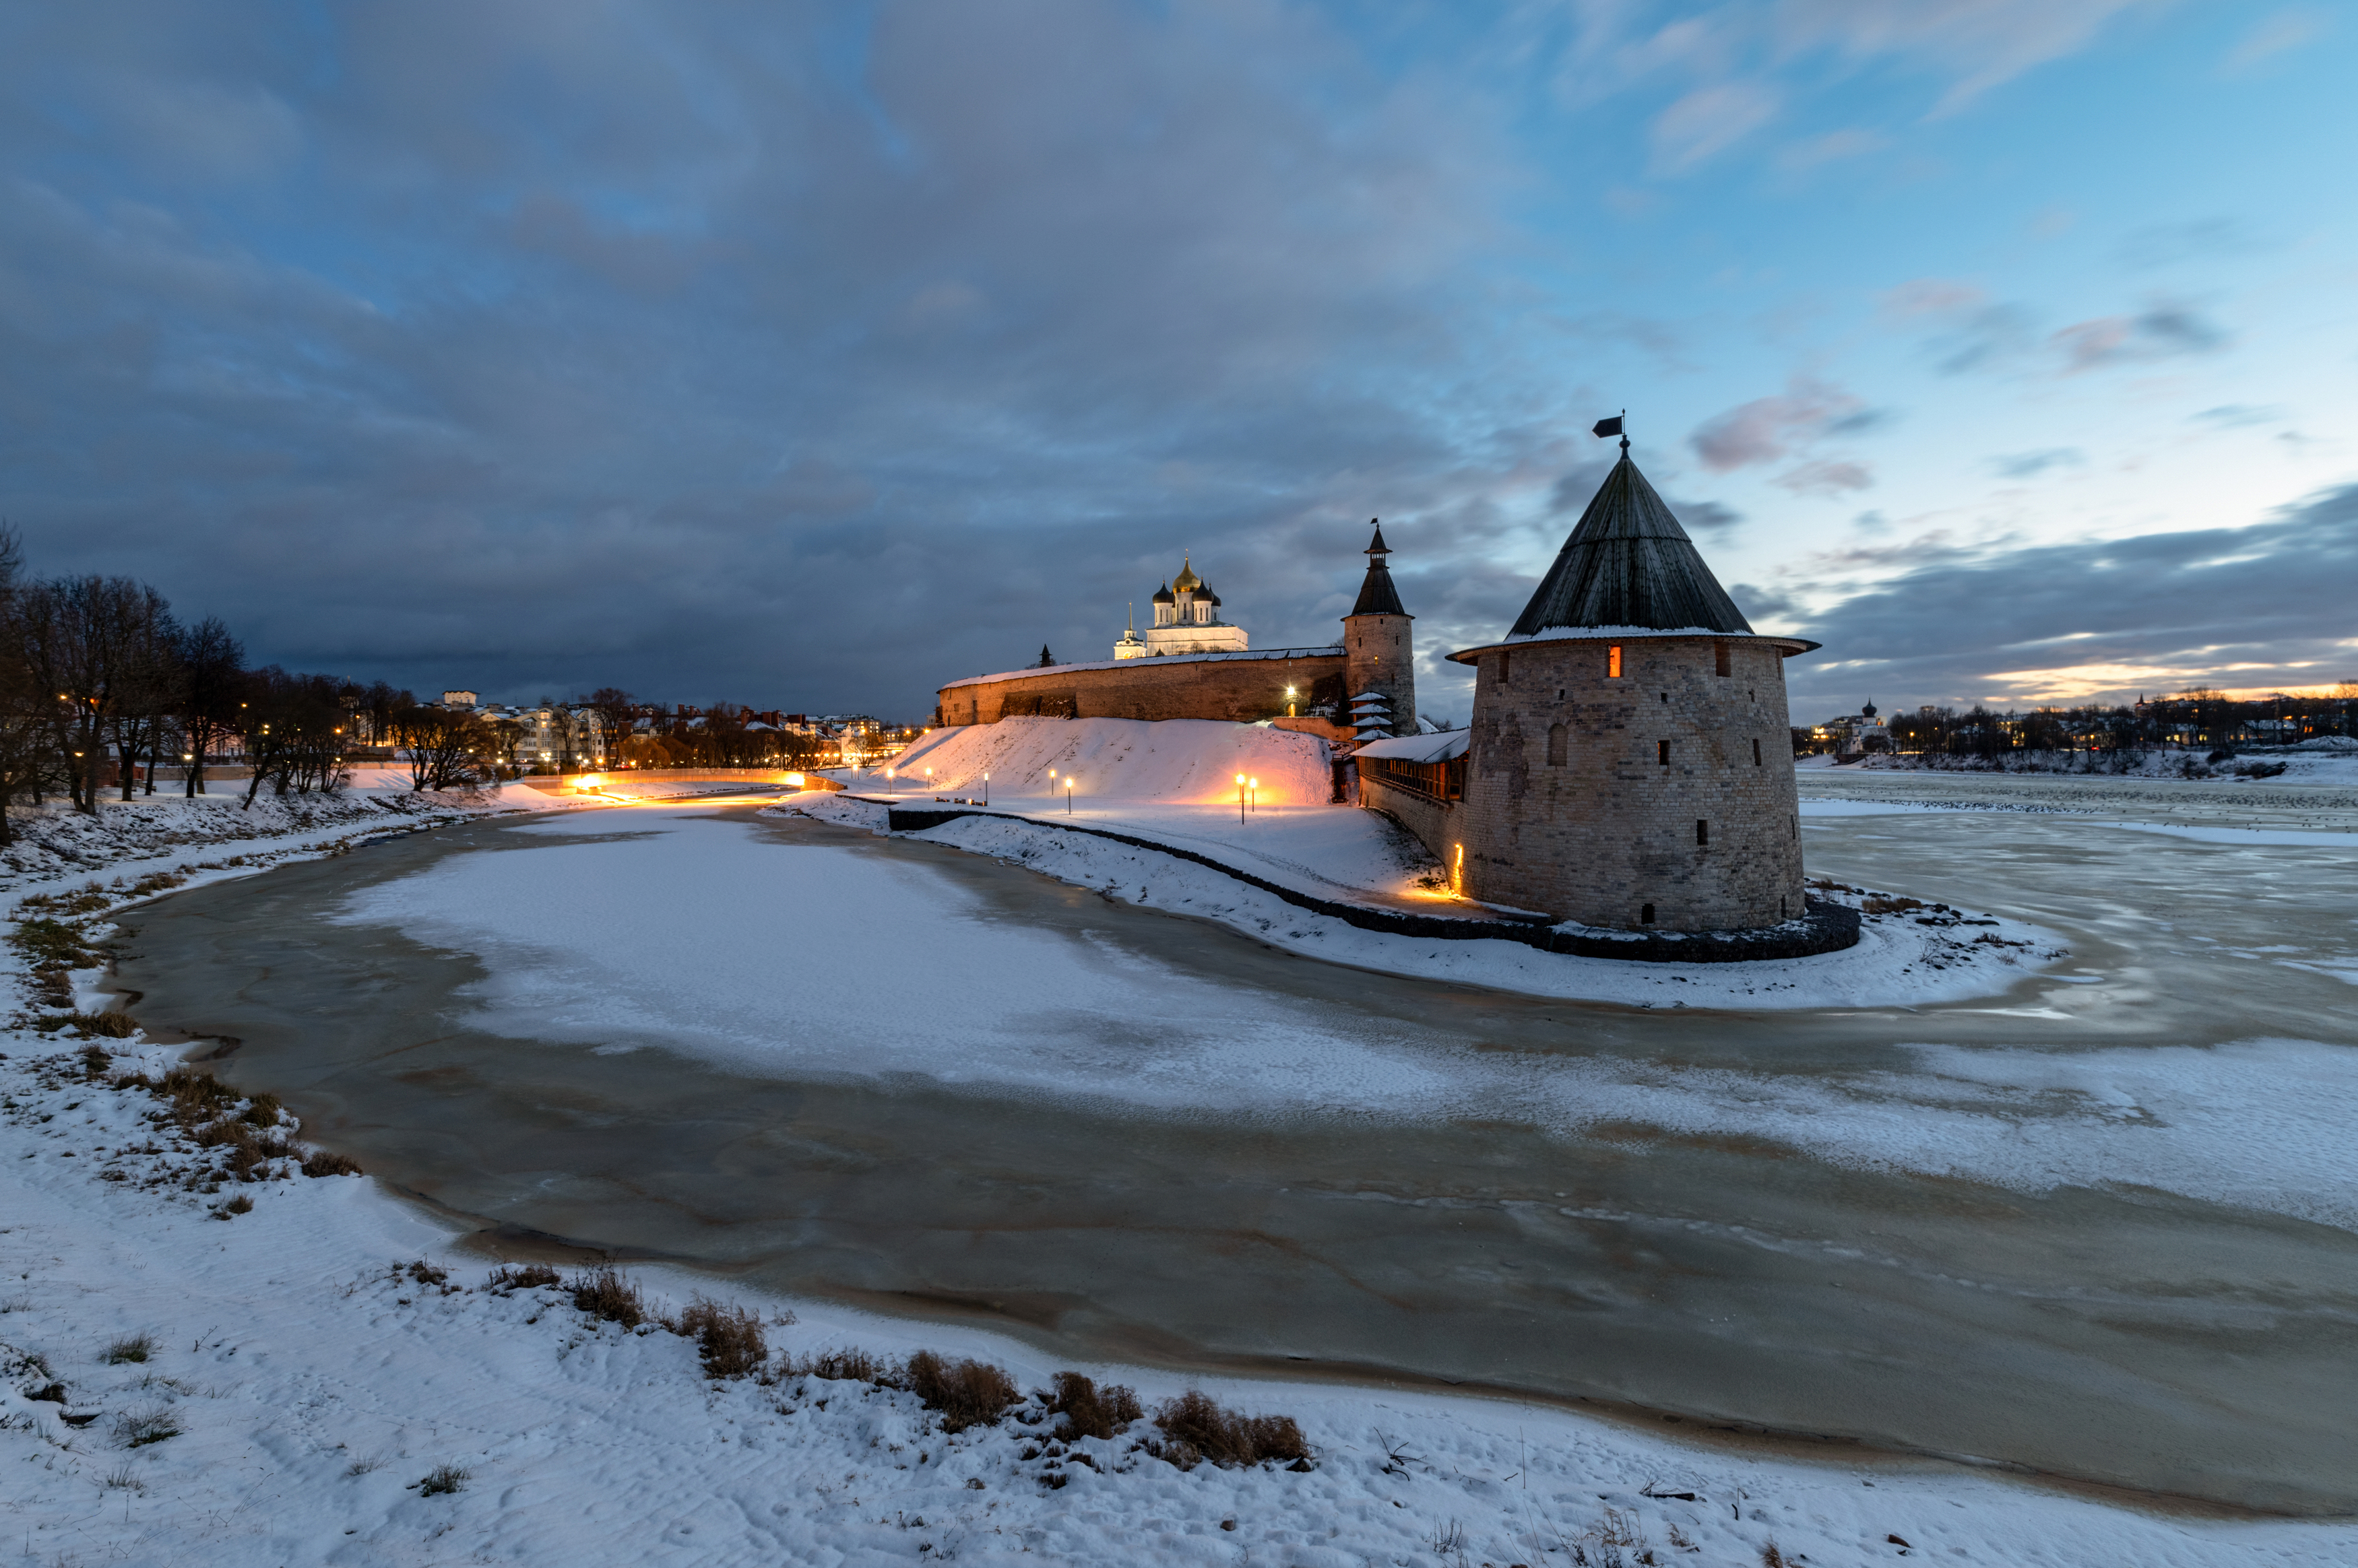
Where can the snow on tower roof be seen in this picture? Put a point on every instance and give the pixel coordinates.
(1628, 563)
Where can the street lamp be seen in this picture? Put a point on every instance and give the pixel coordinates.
(986, 788)
(1068, 794)
(1254, 786)
(888, 781)
(1240, 798)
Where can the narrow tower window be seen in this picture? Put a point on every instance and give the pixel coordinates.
(1663, 752)
(1755, 751)
(1703, 833)
(1559, 745)
(1613, 662)
(1719, 658)
(1646, 915)
(1505, 669)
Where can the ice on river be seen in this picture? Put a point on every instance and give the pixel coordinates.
(676, 929)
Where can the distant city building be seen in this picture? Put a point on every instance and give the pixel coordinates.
(1853, 734)
(458, 699)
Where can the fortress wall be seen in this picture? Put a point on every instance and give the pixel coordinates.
(1610, 827)
(1240, 689)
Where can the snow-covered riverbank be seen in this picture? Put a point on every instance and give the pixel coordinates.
(312, 1370)
(203, 837)
(312, 1376)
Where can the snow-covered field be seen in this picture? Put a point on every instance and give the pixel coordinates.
(310, 1375)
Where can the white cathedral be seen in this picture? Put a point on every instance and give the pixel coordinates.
(1187, 620)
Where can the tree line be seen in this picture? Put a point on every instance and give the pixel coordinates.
(98, 671)
(2200, 717)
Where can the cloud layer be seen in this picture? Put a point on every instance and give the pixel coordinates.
(815, 364)
(812, 355)
(2264, 606)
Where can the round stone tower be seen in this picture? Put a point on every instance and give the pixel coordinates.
(1630, 755)
(1379, 670)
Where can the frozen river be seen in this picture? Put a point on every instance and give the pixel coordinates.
(2105, 1224)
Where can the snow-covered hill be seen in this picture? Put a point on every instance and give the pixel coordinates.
(1186, 760)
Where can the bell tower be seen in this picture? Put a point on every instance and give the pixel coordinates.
(1380, 678)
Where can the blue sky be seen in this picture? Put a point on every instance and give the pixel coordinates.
(812, 355)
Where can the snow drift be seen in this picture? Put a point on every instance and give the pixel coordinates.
(1184, 761)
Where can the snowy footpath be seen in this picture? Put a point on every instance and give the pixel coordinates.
(290, 1369)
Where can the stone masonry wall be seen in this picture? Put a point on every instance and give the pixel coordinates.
(1241, 691)
(1383, 659)
(1593, 824)
(1434, 822)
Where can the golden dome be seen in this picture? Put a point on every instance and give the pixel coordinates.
(1186, 581)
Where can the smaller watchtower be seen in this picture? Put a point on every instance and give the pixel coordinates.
(1379, 667)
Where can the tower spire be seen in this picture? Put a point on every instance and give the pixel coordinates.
(1376, 594)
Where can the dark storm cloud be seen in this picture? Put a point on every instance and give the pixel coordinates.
(803, 355)
(2263, 605)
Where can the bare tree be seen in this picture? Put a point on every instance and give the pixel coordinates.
(213, 683)
(147, 690)
(82, 641)
(507, 739)
(27, 750)
(445, 747)
(614, 712)
(564, 727)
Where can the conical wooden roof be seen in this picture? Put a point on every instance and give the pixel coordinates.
(1628, 563)
(1376, 594)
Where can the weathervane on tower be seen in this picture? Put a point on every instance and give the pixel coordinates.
(1612, 428)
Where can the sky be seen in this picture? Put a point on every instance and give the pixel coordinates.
(811, 355)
